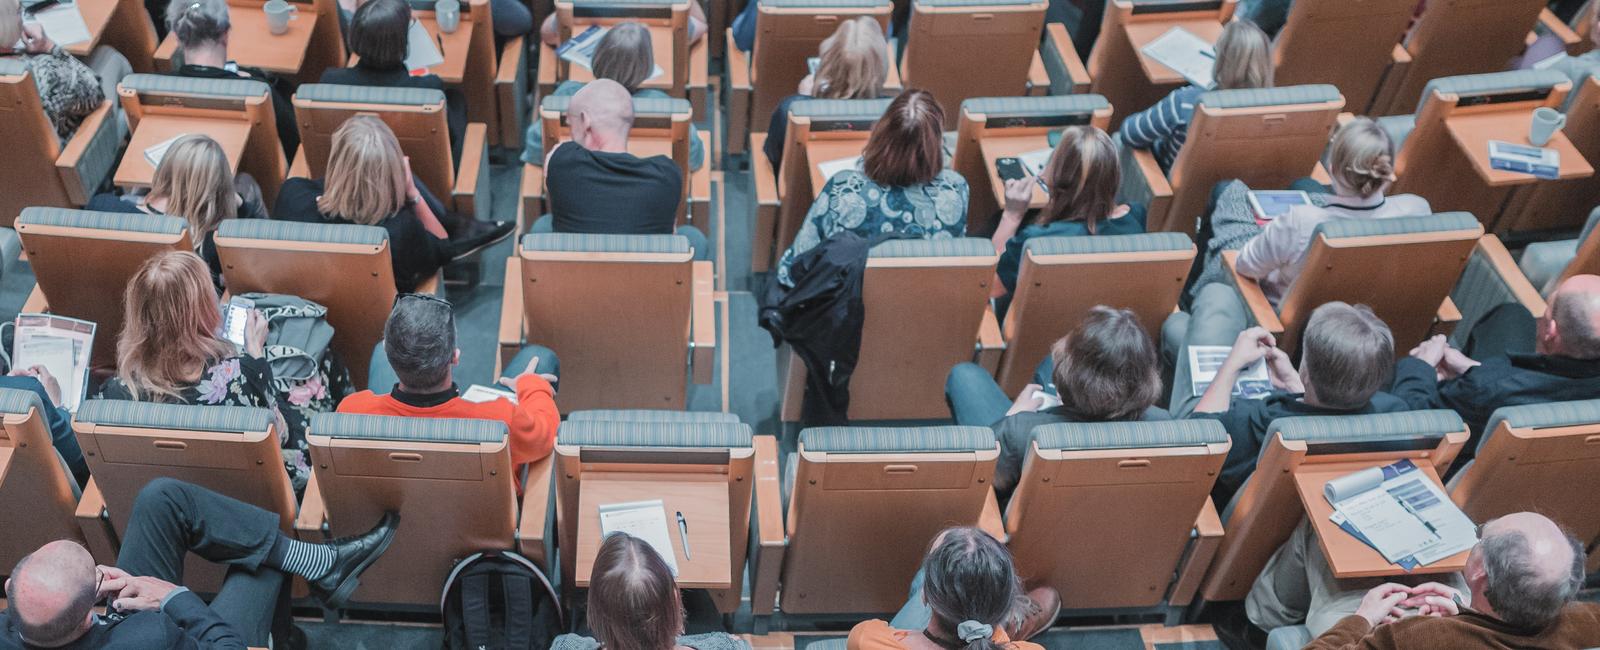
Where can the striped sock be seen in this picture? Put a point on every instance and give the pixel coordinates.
(309, 561)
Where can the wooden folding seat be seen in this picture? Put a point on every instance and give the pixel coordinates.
(1491, 278)
(995, 127)
(1121, 73)
(1561, 205)
(47, 171)
(83, 261)
(237, 113)
(417, 117)
(1455, 37)
(1345, 257)
(1062, 278)
(684, 65)
(38, 495)
(1117, 515)
(943, 35)
(1349, 44)
(564, 291)
(940, 285)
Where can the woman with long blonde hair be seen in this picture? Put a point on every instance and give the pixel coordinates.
(1243, 60)
(853, 63)
(369, 182)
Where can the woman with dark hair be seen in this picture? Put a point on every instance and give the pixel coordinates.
(377, 34)
(634, 604)
(900, 186)
(966, 596)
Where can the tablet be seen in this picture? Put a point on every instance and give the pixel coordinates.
(1271, 204)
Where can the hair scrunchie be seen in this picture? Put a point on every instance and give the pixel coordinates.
(970, 631)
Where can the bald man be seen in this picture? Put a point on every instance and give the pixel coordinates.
(1512, 357)
(1522, 578)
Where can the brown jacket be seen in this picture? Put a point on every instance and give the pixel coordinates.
(1577, 627)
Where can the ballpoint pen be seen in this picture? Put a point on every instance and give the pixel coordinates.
(683, 534)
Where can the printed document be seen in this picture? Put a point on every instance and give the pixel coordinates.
(1186, 54)
(646, 520)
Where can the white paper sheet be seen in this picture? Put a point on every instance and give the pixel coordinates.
(422, 52)
(1034, 161)
(1392, 530)
(63, 23)
(1186, 54)
(831, 168)
(1204, 360)
(478, 394)
(62, 345)
(157, 151)
(646, 520)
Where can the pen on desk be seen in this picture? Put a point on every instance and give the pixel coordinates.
(1208, 54)
(1414, 513)
(683, 533)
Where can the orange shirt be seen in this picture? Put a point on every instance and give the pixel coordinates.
(532, 420)
(877, 635)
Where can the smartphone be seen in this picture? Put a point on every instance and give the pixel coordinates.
(812, 63)
(236, 315)
(1010, 168)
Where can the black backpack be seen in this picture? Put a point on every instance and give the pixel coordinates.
(499, 600)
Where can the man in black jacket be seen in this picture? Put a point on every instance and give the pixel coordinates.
(1496, 371)
(52, 592)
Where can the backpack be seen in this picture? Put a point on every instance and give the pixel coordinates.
(499, 600)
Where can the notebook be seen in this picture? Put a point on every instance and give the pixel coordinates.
(422, 50)
(154, 153)
(646, 520)
(1186, 54)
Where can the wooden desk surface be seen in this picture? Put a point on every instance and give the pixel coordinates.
(1349, 557)
(821, 151)
(455, 47)
(1141, 33)
(252, 45)
(997, 147)
(96, 15)
(703, 500)
(1472, 132)
(135, 171)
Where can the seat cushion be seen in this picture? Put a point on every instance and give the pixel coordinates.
(1399, 127)
(642, 106)
(68, 218)
(19, 402)
(649, 415)
(954, 247)
(383, 427)
(1013, 107)
(594, 433)
(1259, 97)
(1441, 222)
(1491, 83)
(1543, 261)
(1379, 430)
(179, 417)
(576, 243)
(1141, 243)
(876, 440)
(322, 233)
(839, 109)
(1081, 436)
(167, 84)
(1542, 416)
(387, 95)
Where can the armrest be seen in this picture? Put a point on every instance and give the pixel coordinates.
(511, 92)
(739, 91)
(1492, 251)
(510, 312)
(299, 168)
(1561, 30)
(1207, 537)
(313, 514)
(89, 157)
(892, 84)
(1446, 319)
(547, 68)
(738, 66)
(769, 540)
(703, 324)
(1038, 77)
(991, 343)
(532, 523)
(1345, 117)
(1068, 76)
(990, 519)
(531, 193)
(1320, 174)
(1144, 182)
(471, 193)
(37, 304)
(1261, 310)
(95, 524)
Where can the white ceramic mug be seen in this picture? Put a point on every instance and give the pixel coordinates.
(447, 13)
(1546, 121)
(278, 14)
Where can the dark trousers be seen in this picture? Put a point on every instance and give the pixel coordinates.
(1507, 329)
(171, 518)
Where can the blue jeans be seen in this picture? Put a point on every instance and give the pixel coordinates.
(1217, 317)
(697, 240)
(915, 614)
(976, 399)
(381, 378)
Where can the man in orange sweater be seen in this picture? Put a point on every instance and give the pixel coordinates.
(416, 357)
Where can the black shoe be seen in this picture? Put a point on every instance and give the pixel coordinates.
(477, 235)
(352, 555)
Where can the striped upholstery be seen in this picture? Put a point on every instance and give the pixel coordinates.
(322, 233)
(19, 402)
(1077, 436)
(641, 105)
(1253, 97)
(973, 3)
(1399, 127)
(1441, 222)
(1378, 427)
(125, 222)
(592, 433)
(1479, 290)
(840, 643)
(176, 417)
(382, 427)
(168, 84)
(99, 158)
(839, 109)
(954, 247)
(576, 243)
(877, 440)
(1141, 243)
(822, 4)
(1543, 416)
(11, 66)
(386, 95)
(1031, 106)
(1579, 73)
(622, 3)
(1491, 83)
(649, 415)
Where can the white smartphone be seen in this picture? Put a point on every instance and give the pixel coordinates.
(235, 315)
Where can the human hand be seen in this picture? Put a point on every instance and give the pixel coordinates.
(1026, 401)
(112, 581)
(52, 387)
(35, 40)
(1019, 193)
(1250, 346)
(807, 84)
(1454, 363)
(142, 593)
(1381, 604)
(1282, 371)
(1431, 350)
(1434, 599)
(533, 364)
(255, 334)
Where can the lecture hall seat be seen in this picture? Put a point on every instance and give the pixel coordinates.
(820, 130)
(215, 107)
(994, 127)
(944, 34)
(43, 170)
(38, 496)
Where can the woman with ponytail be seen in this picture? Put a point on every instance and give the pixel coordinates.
(966, 597)
(1362, 167)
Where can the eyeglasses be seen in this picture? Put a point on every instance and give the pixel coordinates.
(421, 296)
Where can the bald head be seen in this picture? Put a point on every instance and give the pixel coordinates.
(601, 114)
(51, 593)
(1571, 327)
(1526, 568)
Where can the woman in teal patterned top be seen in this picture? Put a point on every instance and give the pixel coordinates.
(900, 186)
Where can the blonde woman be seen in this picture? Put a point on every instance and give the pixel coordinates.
(369, 182)
(1244, 60)
(192, 182)
(853, 64)
(1362, 161)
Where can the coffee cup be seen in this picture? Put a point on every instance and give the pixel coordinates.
(447, 13)
(1546, 121)
(278, 14)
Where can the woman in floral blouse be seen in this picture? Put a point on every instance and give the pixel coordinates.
(901, 185)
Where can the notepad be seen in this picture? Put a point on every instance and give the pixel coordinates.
(156, 152)
(63, 23)
(831, 168)
(1205, 360)
(1186, 54)
(646, 520)
(579, 50)
(1401, 513)
(1540, 162)
(478, 394)
(422, 51)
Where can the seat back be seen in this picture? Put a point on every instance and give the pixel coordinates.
(241, 99)
(660, 128)
(1012, 123)
(342, 267)
(867, 503)
(1457, 37)
(945, 33)
(1104, 511)
(1540, 458)
(1267, 508)
(787, 33)
(573, 286)
(1563, 205)
(839, 127)
(669, 16)
(1114, 65)
(1265, 137)
(84, 260)
(1347, 254)
(1431, 164)
(1359, 34)
(416, 115)
(694, 467)
(37, 493)
(1062, 278)
(31, 178)
(427, 470)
